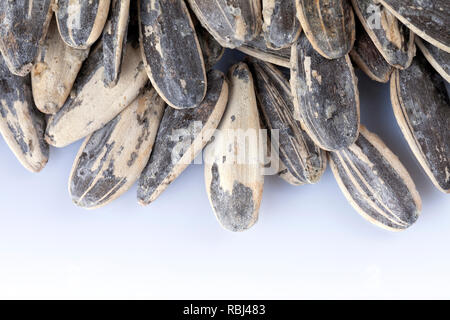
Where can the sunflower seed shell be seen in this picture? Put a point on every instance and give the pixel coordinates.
(171, 52)
(299, 154)
(329, 26)
(114, 40)
(54, 73)
(235, 188)
(422, 109)
(393, 39)
(376, 183)
(112, 158)
(23, 25)
(91, 105)
(211, 49)
(21, 125)
(281, 26)
(81, 23)
(326, 97)
(439, 59)
(195, 126)
(230, 22)
(258, 48)
(426, 18)
(369, 59)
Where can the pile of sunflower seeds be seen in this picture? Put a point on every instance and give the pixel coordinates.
(128, 76)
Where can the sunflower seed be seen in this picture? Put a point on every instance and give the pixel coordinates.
(368, 58)
(91, 105)
(21, 125)
(211, 49)
(235, 187)
(114, 40)
(427, 18)
(393, 39)
(439, 59)
(230, 22)
(112, 158)
(422, 108)
(171, 52)
(281, 26)
(23, 25)
(300, 155)
(54, 73)
(287, 176)
(81, 23)
(375, 183)
(171, 156)
(329, 26)
(258, 48)
(326, 96)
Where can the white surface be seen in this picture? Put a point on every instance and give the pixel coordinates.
(308, 243)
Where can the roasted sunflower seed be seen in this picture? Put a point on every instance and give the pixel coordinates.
(326, 97)
(114, 40)
(233, 176)
(375, 183)
(54, 73)
(281, 26)
(329, 26)
(258, 48)
(91, 105)
(393, 39)
(428, 19)
(299, 154)
(422, 108)
(230, 22)
(21, 125)
(81, 23)
(23, 25)
(211, 49)
(194, 127)
(171, 52)
(112, 158)
(368, 58)
(287, 176)
(439, 59)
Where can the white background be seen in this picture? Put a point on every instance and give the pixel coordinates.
(308, 243)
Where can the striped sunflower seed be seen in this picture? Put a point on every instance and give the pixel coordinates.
(235, 187)
(281, 26)
(21, 125)
(23, 25)
(427, 18)
(211, 49)
(326, 97)
(299, 154)
(329, 26)
(114, 40)
(422, 109)
(375, 183)
(230, 22)
(195, 126)
(439, 59)
(368, 58)
(258, 48)
(54, 73)
(171, 52)
(112, 158)
(393, 39)
(81, 23)
(91, 105)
